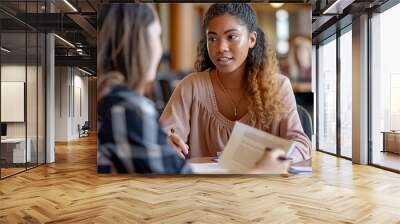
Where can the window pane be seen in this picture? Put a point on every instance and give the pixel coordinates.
(346, 94)
(41, 98)
(386, 89)
(327, 97)
(15, 150)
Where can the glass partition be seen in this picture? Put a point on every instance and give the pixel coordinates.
(385, 89)
(327, 96)
(14, 151)
(22, 90)
(346, 94)
(31, 97)
(41, 86)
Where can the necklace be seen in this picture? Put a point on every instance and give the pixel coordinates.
(226, 92)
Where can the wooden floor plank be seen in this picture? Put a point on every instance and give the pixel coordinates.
(70, 191)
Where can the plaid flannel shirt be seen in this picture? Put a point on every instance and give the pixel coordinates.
(130, 138)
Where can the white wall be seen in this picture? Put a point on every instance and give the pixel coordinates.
(61, 103)
(71, 94)
(16, 73)
(11, 73)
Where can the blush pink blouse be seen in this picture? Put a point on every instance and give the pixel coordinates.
(193, 113)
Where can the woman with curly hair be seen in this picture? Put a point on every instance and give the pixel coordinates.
(236, 80)
(130, 138)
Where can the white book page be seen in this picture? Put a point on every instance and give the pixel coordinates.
(246, 145)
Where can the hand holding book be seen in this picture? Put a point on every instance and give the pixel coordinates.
(273, 161)
(250, 150)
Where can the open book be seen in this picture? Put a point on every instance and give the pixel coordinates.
(246, 146)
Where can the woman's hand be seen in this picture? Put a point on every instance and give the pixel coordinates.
(178, 144)
(272, 162)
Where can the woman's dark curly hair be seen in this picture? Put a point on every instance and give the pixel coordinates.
(261, 65)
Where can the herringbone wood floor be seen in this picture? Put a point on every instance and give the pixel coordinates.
(70, 191)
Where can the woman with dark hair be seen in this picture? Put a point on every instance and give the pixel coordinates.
(130, 138)
(236, 80)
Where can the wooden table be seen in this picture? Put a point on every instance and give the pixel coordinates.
(391, 141)
(296, 168)
(210, 160)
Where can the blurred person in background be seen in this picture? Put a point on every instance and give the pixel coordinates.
(299, 60)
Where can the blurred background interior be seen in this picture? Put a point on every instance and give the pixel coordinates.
(48, 72)
(287, 26)
(71, 55)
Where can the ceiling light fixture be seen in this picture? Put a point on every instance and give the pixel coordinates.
(79, 51)
(65, 41)
(5, 50)
(277, 4)
(84, 71)
(70, 5)
(337, 7)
